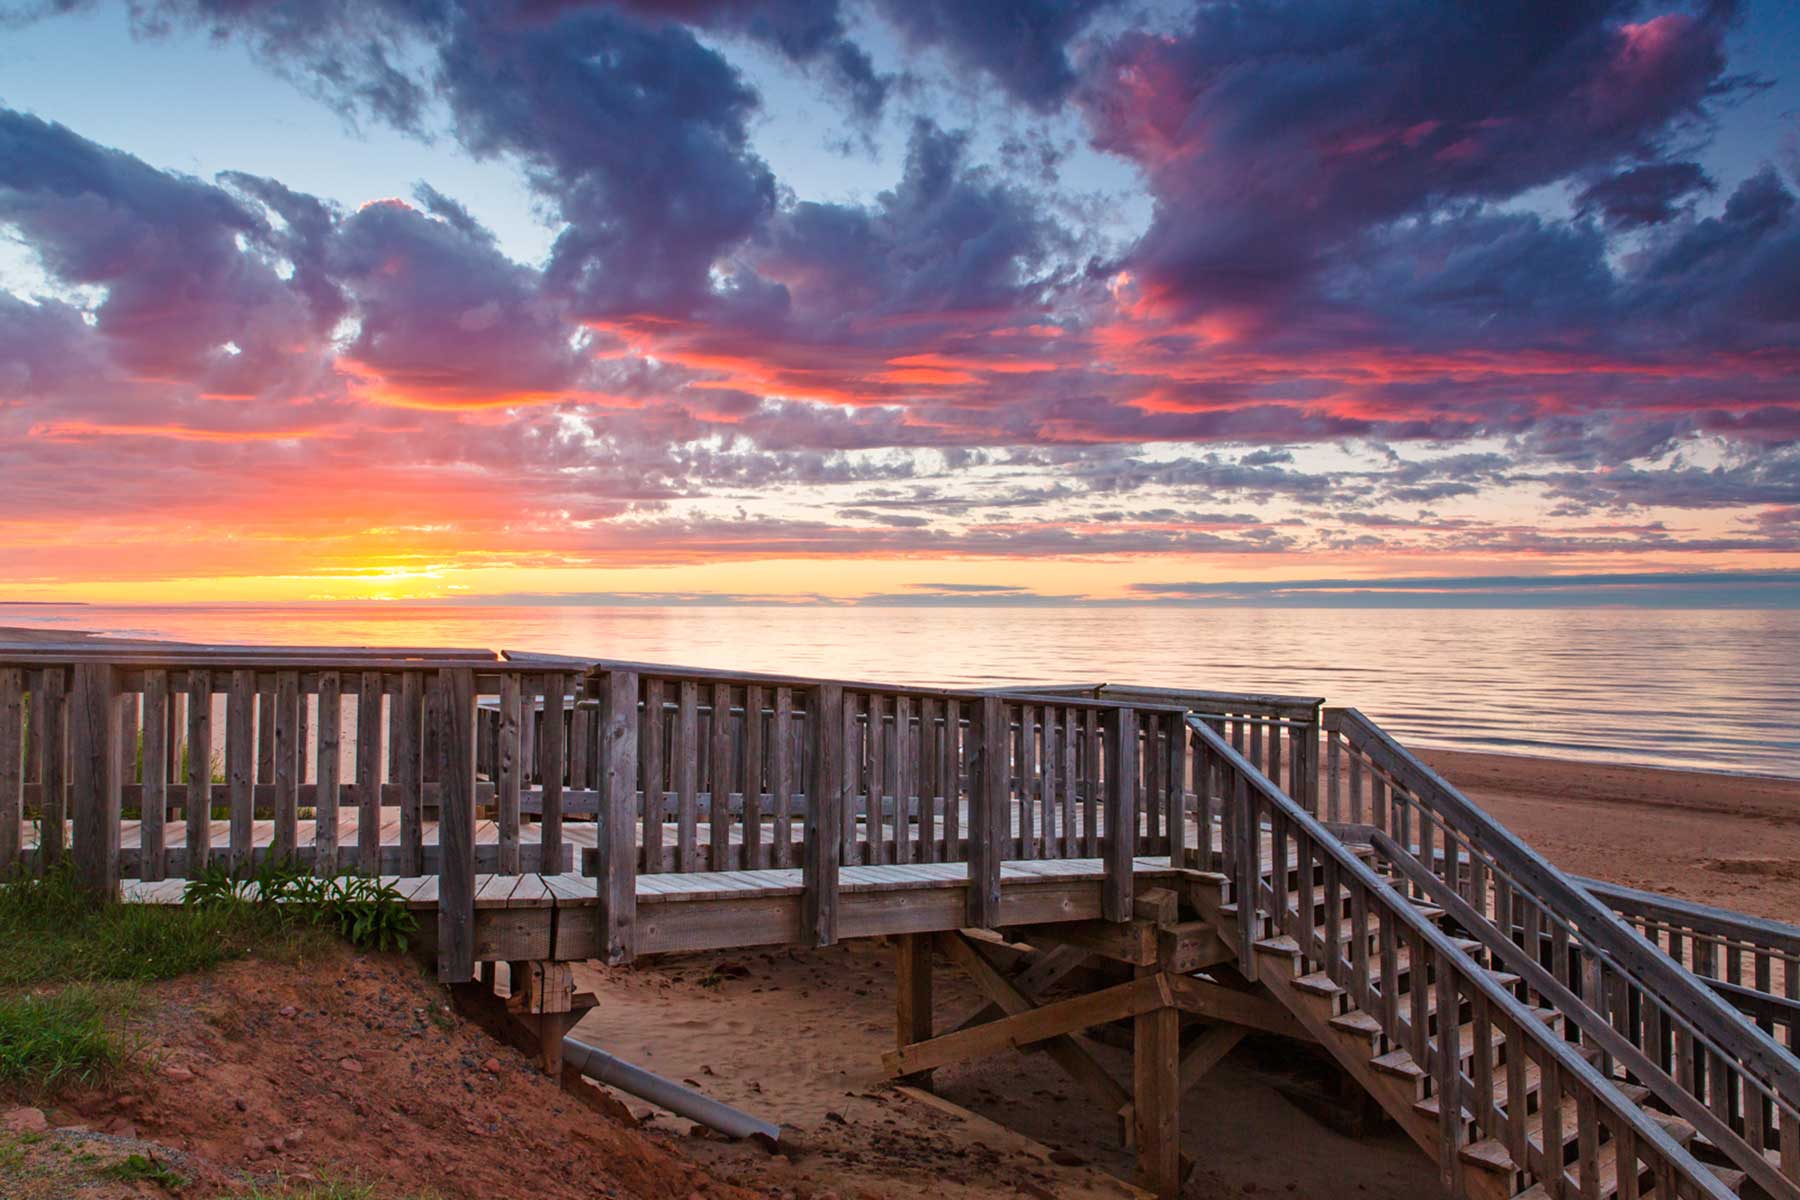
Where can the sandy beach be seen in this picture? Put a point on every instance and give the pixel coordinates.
(798, 1037)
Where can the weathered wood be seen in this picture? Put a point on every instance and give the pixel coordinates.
(265, 732)
(12, 766)
(783, 770)
(824, 816)
(1120, 843)
(409, 768)
(240, 765)
(1028, 1027)
(94, 756)
(153, 805)
(456, 824)
(198, 804)
(875, 779)
(1156, 1091)
(1068, 1053)
(990, 819)
(287, 763)
(904, 773)
(51, 736)
(616, 757)
(755, 853)
(1206, 1052)
(369, 758)
(687, 775)
(912, 995)
(507, 776)
(718, 814)
(1175, 780)
(329, 761)
(650, 733)
(1251, 1010)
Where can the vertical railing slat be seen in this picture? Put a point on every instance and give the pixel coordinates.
(755, 855)
(240, 767)
(454, 702)
(369, 759)
(153, 803)
(12, 767)
(285, 840)
(687, 775)
(326, 773)
(198, 802)
(651, 733)
(508, 781)
(718, 811)
(783, 771)
(990, 803)
(51, 721)
(616, 757)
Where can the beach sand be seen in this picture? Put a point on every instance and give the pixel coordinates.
(797, 1037)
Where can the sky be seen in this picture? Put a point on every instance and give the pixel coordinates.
(903, 299)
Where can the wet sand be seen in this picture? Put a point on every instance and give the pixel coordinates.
(798, 1037)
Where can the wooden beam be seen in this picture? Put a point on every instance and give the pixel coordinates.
(1120, 844)
(1156, 1090)
(1069, 1054)
(1190, 946)
(1255, 1010)
(1133, 942)
(1044, 969)
(912, 996)
(1031, 1026)
(1206, 1052)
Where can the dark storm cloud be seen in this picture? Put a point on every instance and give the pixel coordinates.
(1647, 195)
(1022, 44)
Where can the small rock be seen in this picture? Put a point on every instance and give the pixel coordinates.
(24, 1120)
(350, 1065)
(288, 1010)
(491, 1066)
(178, 1074)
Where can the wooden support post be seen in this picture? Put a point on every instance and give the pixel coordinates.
(94, 755)
(990, 809)
(1120, 844)
(240, 767)
(507, 774)
(369, 759)
(1156, 1096)
(912, 996)
(283, 843)
(824, 815)
(543, 996)
(616, 753)
(455, 770)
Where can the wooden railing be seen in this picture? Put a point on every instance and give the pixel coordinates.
(1644, 1015)
(1363, 956)
(1753, 963)
(1279, 734)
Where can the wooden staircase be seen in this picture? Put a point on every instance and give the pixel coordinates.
(1474, 1162)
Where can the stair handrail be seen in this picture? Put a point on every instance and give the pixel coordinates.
(1558, 1060)
(1729, 1042)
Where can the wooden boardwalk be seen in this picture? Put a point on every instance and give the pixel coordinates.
(1189, 863)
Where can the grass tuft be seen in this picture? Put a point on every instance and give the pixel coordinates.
(49, 1042)
(135, 1167)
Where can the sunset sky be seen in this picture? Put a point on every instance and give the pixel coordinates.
(918, 299)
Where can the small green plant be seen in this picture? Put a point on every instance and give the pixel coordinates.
(329, 1189)
(364, 911)
(134, 1167)
(48, 1042)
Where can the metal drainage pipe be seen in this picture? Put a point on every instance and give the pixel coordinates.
(598, 1065)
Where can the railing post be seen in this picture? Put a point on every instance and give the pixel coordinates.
(456, 825)
(50, 731)
(94, 752)
(1120, 844)
(824, 815)
(1310, 777)
(617, 758)
(153, 807)
(12, 766)
(199, 800)
(1175, 779)
(990, 809)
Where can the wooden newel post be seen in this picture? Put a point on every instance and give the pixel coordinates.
(617, 758)
(456, 825)
(1120, 843)
(990, 809)
(94, 756)
(824, 815)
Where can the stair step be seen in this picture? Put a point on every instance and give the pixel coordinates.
(1488, 1155)
(1357, 1023)
(1318, 984)
(1399, 1063)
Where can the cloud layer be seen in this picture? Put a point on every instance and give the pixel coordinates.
(1418, 283)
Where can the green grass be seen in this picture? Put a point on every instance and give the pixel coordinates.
(55, 934)
(49, 1042)
(134, 1167)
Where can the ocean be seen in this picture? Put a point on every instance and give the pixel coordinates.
(1717, 690)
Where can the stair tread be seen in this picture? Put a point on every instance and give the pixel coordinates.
(1357, 1021)
(1398, 1062)
(1319, 984)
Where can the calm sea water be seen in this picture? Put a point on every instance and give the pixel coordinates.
(1718, 690)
